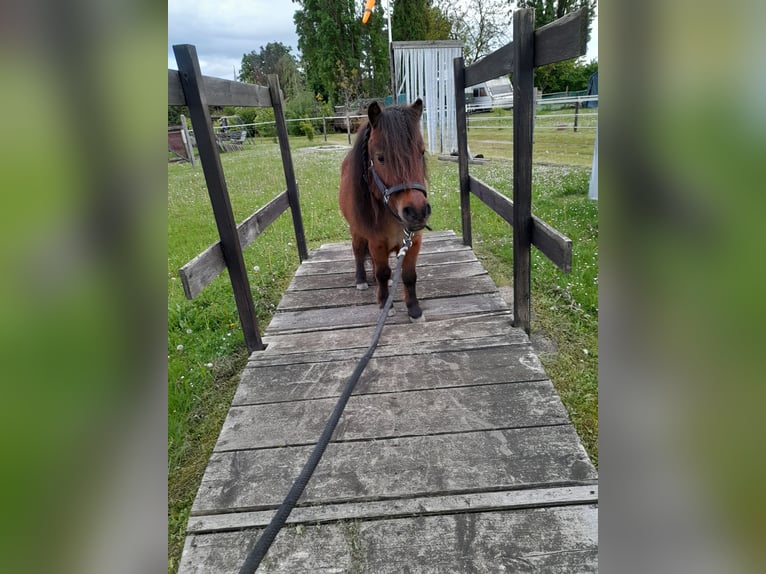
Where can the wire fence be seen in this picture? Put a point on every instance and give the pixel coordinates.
(555, 112)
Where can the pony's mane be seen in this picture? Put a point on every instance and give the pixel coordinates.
(396, 133)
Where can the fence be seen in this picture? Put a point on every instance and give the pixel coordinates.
(560, 40)
(188, 87)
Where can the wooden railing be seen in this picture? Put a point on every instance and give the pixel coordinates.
(560, 40)
(189, 87)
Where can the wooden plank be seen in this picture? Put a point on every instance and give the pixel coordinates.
(220, 92)
(427, 236)
(310, 267)
(299, 381)
(408, 507)
(559, 539)
(343, 251)
(397, 468)
(523, 123)
(287, 166)
(345, 275)
(195, 97)
(562, 39)
(351, 296)
(200, 271)
(552, 243)
(389, 415)
(457, 329)
(344, 317)
(401, 351)
(498, 63)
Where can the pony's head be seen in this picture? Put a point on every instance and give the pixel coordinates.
(396, 162)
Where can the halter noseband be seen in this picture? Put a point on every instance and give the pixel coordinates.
(389, 191)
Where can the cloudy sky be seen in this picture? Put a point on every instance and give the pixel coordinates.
(224, 30)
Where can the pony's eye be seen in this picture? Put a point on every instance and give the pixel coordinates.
(380, 158)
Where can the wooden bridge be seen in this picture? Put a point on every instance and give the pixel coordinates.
(455, 454)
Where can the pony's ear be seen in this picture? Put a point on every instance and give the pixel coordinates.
(373, 112)
(418, 107)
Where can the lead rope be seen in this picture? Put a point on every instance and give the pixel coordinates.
(261, 547)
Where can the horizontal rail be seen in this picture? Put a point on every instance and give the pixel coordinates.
(552, 243)
(219, 92)
(560, 40)
(206, 266)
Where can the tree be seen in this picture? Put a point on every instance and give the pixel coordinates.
(417, 20)
(482, 25)
(332, 32)
(409, 21)
(275, 58)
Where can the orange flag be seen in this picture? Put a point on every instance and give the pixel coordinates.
(368, 10)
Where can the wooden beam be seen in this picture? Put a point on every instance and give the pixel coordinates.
(552, 243)
(287, 166)
(498, 63)
(196, 99)
(417, 506)
(562, 39)
(462, 149)
(220, 92)
(200, 271)
(523, 123)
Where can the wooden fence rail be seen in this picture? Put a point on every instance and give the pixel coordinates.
(559, 40)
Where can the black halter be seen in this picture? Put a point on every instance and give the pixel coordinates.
(389, 191)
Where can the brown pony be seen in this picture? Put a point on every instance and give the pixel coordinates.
(383, 195)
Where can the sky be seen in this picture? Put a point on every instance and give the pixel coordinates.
(224, 30)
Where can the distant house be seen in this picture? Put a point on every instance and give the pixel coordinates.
(497, 93)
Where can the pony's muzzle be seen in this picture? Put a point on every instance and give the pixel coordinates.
(416, 216)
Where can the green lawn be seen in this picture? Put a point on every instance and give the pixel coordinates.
(205, 344)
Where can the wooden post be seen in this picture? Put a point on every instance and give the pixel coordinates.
(577, 111)
(462, 149)
(523, 119)
(348, 124)
(187, 140)
(193, 88)
(287, 163)
(324, 127)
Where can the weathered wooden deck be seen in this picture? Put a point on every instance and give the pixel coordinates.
(455, 453)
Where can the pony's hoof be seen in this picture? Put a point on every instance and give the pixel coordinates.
(391, 312)
(421, 319)
(362, 286)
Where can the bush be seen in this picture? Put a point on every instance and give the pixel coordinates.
(248, 116)
(268, 130)
(308, 130)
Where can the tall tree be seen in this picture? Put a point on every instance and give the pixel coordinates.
(328, 33)
(275, 58)
(482, 25)
(417, 20)
(409, 21)
(375, 58)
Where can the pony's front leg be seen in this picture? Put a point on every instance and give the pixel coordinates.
(409, 277)
(359, 245)
(379, 255)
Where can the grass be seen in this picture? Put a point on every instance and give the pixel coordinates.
(205, 345)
